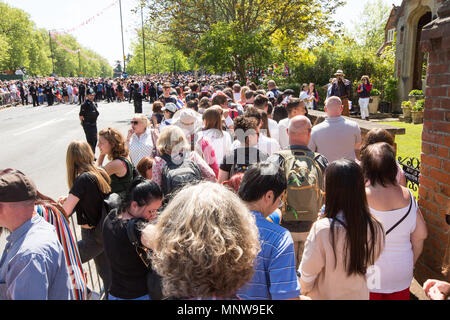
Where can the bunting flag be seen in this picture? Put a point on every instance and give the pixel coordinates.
(88, 21)
(70, 50)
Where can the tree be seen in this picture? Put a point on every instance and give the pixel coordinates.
(285, 22)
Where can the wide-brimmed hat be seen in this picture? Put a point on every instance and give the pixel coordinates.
(339, 73)
(188, 120)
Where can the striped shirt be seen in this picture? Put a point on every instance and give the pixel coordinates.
(275, 276)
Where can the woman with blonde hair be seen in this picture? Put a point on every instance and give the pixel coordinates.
(112, 144)
(89, 186)
(175, 152)
(204, 243)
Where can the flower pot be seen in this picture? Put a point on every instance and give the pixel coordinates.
(373, 106)
(406, 112)
(413, 99)
(417, 117)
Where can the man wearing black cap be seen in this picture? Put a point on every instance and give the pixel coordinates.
(33, 264)
(88, 117)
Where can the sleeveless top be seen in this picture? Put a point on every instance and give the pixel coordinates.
(120, 185)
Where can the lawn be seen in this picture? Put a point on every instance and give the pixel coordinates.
(409, 144)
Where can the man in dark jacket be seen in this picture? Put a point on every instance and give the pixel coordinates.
(342, 88)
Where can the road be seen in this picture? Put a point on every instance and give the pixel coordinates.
(34, 140)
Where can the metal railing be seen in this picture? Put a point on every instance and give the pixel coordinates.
(7, 98)
(411, 168)
(94, 282)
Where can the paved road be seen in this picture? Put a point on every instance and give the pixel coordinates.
(35, 140)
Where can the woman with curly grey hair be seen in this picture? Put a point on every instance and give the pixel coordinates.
(204, 243)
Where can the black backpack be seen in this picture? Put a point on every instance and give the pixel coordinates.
(177, 176)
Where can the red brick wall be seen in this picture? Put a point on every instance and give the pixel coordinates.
(434, 192)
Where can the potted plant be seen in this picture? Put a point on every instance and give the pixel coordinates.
(415, 95)
(406, 108)
(417, 111)
(374, 101)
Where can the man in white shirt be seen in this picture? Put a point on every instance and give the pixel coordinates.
(265, 144)
(295, 107)
(262, 102)
(337, 137)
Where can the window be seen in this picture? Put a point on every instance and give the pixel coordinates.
(390, 36)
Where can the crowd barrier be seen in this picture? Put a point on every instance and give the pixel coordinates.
(7, 98)
(94, 282)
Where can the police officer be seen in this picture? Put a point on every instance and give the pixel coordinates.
(88, 116)
(34, 94)
(48, 91)
(137, 97)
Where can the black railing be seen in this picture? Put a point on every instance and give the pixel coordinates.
(411, 168)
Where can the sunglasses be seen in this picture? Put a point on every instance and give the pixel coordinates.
(135, 122)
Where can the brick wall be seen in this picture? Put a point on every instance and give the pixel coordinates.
(434, 192)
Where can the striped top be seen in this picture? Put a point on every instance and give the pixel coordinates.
(275, 276)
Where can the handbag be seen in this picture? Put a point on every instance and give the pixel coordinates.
(153, 279)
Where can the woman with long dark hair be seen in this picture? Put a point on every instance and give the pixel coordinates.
(345, 243)
(128, 270)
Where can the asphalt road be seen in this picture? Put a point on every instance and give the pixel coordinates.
(34, 140)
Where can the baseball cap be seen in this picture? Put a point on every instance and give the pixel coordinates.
(16, 187)
(170, 107)
(167, 85)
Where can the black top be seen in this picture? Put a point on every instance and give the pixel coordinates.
(128, 272)
(89, 208)
(82, 89)
(165, 100)
(240, 159)
(89, 111)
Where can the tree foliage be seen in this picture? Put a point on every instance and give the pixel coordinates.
(22, 44)
(190, 25)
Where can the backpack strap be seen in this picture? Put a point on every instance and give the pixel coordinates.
(404, 217)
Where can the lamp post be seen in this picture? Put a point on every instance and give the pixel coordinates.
(143, 37)
(121, 27)
(51, 49)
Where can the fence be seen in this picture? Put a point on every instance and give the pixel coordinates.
(411, 168)
(7, 98)
(94, 282)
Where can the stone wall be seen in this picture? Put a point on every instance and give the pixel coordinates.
(434, 192)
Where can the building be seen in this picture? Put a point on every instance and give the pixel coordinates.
(404, 26)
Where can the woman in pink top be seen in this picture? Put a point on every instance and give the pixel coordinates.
(402, 220)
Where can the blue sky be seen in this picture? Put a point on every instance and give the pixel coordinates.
(104, 36)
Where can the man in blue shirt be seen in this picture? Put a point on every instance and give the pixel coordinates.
(275, 277)
(33, 265)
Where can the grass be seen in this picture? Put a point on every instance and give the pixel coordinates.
(409, 144)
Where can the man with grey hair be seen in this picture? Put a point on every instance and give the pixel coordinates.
(304, 171)
(336, 137)
(33, 264)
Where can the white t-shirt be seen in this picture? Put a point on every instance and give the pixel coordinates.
(221, 143)
(274, 130)
(283, 126)
(395, 265)
(265, 144)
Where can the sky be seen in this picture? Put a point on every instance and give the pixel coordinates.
(103, 35)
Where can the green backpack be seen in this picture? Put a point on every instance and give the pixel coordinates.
(304, 195)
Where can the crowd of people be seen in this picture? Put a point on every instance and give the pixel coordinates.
(223, 192)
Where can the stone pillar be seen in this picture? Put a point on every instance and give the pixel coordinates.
(434, 192)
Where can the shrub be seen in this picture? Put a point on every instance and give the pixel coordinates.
(416, 92)
(419, 105)
(375, 92)
(406, 104)
(390, 89)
